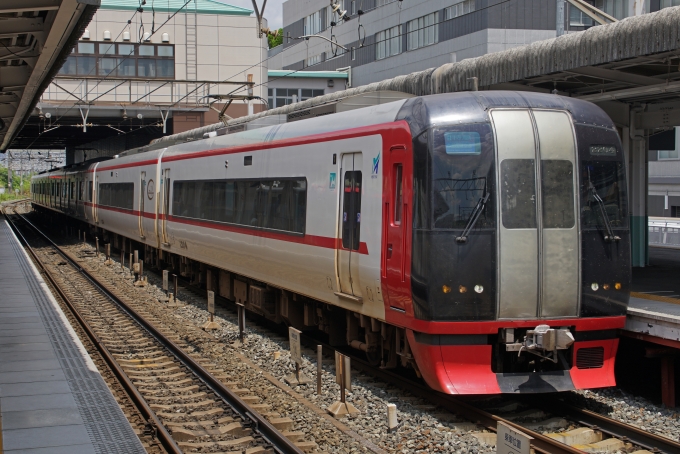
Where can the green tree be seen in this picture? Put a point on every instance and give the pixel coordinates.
(16, 184)
(275, 40)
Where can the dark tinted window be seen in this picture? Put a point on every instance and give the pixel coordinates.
(351, 210)
(602, 174)
(462, 174)
(86, 66)
(608, 182)
(119, 195)
(518, 193)
(557, 184)
(277, 204)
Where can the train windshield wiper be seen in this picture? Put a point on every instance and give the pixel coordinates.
(610, 232)
(473, 218)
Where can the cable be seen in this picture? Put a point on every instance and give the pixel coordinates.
(121, 60)
(93, 67)
(16, 55)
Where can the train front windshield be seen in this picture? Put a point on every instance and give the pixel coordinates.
(454, 192)
(508, 231)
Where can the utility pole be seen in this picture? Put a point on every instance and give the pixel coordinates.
(559, 25)
(9, 173)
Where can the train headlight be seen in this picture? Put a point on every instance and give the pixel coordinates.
(446, 289)
(617, 286)
(594, 286)
(605, 286)
(479, 288)
(462, 288)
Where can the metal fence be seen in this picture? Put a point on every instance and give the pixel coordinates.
(664, 232)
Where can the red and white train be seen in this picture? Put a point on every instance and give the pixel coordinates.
(480, 238)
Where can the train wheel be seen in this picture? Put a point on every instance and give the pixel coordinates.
(374, 358)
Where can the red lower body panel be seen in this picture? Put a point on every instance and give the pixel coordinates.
(466, 369)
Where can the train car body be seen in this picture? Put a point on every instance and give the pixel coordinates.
(481, 238)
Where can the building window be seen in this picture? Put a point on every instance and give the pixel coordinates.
(148, 61)
(310, 61)
(423, 31)
(334, 17)
(668, 154)
(675, 211)
(669, 3)
(388, 42)
(382, 2)
(312, 24)
(577, 18)
(279, 97)
(354, 53)
(459, 9)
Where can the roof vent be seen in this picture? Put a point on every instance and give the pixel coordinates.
(107, 35)
(147, 37)
(126, 36)
(86, 34)
(165, 38)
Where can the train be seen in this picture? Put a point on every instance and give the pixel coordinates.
(480, 239)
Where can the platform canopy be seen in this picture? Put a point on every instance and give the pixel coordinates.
(36, 36)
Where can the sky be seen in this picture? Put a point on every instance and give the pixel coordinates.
(273, 12)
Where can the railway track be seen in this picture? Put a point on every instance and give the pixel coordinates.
(185, 403)
(613, 435)
(605, 434)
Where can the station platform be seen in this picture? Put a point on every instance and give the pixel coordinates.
(654, 314)
(52, 398)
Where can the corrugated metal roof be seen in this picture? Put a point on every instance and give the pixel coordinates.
(164, 6)
(626, 39)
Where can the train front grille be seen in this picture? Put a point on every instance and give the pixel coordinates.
(590, 358)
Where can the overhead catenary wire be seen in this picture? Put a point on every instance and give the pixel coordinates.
(121, 60)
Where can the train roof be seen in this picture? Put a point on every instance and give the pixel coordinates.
(420, 112)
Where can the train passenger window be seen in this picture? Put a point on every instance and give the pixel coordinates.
(398, 196)
(518, 193)
(557, 192)
(118, 195)
(351, 216)
(277, 204)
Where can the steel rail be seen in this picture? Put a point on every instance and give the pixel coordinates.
(161, 432)
(540, 442)
(612, 427)
(259, 424)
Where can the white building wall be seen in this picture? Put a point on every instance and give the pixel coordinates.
(228, 47)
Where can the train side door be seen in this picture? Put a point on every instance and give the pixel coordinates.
(396, 187)
(95, 199)
(538, 234)
(347, 252)
(165, 205)
(142, 196)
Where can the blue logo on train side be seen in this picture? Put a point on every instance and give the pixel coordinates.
(376, 165)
